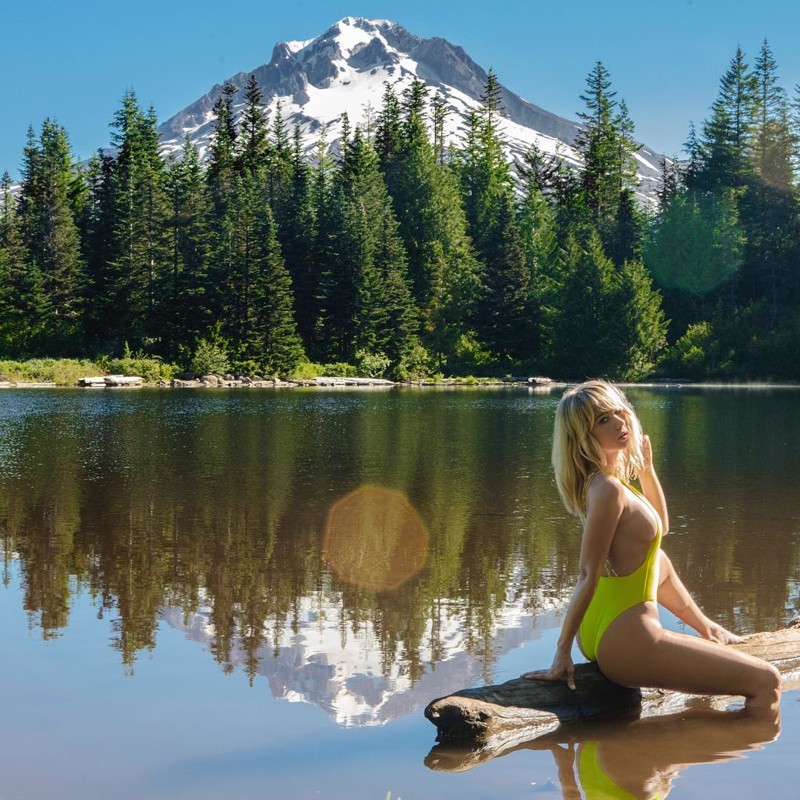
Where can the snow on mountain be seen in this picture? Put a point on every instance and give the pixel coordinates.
(345, 70)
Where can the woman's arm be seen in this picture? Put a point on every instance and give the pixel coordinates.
(605, 502)
(674, 596)
(651, 486)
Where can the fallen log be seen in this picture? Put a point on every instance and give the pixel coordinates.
(500, 716)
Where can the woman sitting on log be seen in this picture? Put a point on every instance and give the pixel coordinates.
(598, 447)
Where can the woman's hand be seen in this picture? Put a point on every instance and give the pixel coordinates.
(561, 669)
(714, 632)
(647, 454)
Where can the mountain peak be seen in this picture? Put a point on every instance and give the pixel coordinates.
(347, 68)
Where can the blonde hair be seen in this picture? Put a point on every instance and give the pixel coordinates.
(576, 454)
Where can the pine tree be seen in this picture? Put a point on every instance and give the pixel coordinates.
(727, 134)
(606, 145)
(505, 317)
(442, 266)
(540, 239)
(624, 239)
(275, 345)
(694, 250)
(97, 232)
(609, 320)
(580, 336)
(50, 235)
(641, 326)
(482, 167)
(367, 303)
(252, 137)
(389, 135)
(186, 285)
(280, 172)
(299, 238)
(773, 140)
(692, 172)
(222, 162)
(670, 182)
(132, 308)
(21, 288)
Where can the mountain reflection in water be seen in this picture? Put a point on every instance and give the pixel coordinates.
(209, 511)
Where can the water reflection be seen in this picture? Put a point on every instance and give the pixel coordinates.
(210, 510)
(320, 660)
(631, 760)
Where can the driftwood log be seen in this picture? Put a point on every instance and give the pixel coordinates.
(494, 718)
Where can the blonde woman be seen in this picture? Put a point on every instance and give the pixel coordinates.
(598, 447)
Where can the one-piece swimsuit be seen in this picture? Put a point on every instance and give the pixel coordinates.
(616, 594)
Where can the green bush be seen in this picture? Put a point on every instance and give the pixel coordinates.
(414, 365)
(306, 371)
(339, 369)
(689, 357)
(150, 369)
(469, 356)
(371, 365)
(210, 357)
(247, 366)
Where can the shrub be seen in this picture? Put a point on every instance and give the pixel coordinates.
(210, 357)
(689, 356)
(150, 369)
(306, 371)
(339, 369)
(61, 371)
(414, 365)
(469, 356)
(371, 365)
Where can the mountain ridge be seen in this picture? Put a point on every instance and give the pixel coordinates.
(346, 68)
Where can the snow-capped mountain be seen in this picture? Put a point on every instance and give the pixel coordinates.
(345, 71)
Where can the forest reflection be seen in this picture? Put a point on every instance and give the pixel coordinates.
(257, 509)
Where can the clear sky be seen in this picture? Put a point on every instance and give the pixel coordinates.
(72, 60)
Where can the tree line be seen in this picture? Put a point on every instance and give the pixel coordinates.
(404, 255)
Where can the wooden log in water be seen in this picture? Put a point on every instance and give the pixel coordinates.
(521, 709)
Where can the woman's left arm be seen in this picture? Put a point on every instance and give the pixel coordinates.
(651, 486)
(674, 596)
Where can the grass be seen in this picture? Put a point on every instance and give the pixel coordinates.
(66, 371)
(61, 371)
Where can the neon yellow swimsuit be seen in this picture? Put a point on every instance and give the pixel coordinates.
(596, 784)
(614, 595)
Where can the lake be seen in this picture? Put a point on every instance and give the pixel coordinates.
(196, 603)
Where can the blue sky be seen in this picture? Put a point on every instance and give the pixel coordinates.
(73, 60)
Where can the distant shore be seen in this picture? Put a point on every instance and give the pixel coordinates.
(245, 382)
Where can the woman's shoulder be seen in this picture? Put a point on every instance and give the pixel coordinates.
(603, 487)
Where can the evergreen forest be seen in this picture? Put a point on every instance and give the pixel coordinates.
(404, 255)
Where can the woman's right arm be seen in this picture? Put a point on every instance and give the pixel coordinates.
(605, 503)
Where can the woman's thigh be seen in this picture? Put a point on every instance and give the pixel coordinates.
(636, 651)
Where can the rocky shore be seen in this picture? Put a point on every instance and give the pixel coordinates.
(187, 381)
(213, 381)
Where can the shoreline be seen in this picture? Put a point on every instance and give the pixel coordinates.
(542, 385)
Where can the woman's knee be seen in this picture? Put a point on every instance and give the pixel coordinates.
(769, 679)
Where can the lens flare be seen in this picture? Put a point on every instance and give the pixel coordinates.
(375, 539)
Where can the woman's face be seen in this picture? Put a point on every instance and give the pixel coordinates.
(612, 431)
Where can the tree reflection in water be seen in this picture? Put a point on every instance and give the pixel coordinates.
(218, 503)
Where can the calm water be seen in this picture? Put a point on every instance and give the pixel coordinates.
(195, 603)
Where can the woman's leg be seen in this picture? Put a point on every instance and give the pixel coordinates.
(636, 651)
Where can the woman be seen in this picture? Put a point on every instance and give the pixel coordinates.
(598, 447)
